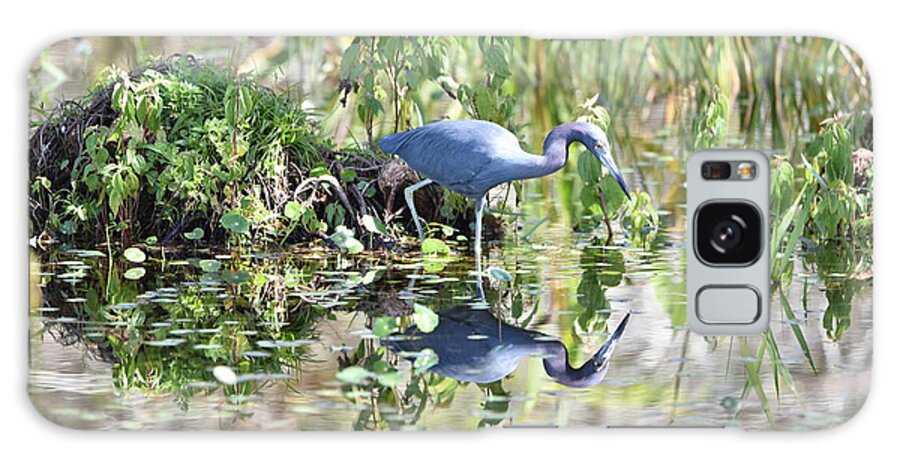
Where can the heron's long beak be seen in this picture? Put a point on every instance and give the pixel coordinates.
(607, 349)
(607, 161)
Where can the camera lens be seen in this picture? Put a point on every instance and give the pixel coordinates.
(728, 233)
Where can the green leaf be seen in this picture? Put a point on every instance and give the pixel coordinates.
(348, 176)
(135, 255)
(500, 274)
(390, 379)
(135, 273)
(209, 265)
(355, 375)
(426, 359)
(795, 328)
(613, 193)
(293, 210)
(151, 240)
(387, 375)
(426, 320)
(384, 326)
(319, 171)
(343, 238)
(235, 222)
(195, 234)
(373, 224)
(589, 167)
(753, 378)
(435, 246)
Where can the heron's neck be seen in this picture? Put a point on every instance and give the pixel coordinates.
(556, 146)
(556, 364)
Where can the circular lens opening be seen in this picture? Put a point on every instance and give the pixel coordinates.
(726, 235)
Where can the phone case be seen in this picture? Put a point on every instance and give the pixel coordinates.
(222, 232)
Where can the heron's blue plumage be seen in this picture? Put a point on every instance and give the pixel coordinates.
(471, 157)
(474, 346)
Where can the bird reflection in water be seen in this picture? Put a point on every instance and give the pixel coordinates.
(474, 346)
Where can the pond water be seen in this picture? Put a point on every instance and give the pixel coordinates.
(224, 340)
(308, 338)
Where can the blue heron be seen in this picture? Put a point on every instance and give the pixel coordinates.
(471, 157)
(474, 346)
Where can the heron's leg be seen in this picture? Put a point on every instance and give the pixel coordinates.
(408, 193)
(479, 212)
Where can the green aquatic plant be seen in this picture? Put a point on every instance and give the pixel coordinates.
(183, 142)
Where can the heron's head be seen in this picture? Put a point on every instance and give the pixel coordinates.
(596, 141)
(593, 371)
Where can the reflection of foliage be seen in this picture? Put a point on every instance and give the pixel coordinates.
(834, 264)
(603, 268)
(167, 338)
(495, 405)
(372, 382)
(641, 219)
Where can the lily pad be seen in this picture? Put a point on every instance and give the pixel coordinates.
(135, 273)
(500, 274)
(210, 265)
(384, 326)
(135, 255)
(195, 234)
(426, 320)
(426, 359)
(434, 246)
(355, 375)
(235, 222)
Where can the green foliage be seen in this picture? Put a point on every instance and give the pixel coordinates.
(135, 255)
(135, 273)
(195, 234)
(641, 219)
(711, 123)
(433, 246)
(781, 196)
(494, 100)
(344, 239)
(390, 69)
(596, 181)
(236, 223)
(425, 319)
(189, 137)
(384, 326)
(828, 206)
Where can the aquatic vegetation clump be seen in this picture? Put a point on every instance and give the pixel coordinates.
(182, 146)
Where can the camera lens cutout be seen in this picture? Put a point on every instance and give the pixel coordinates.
(728, 233)
(716, 170)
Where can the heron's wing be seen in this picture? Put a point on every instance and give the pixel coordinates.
(460, 155)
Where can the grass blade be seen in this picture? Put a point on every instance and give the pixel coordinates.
(795, 327)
